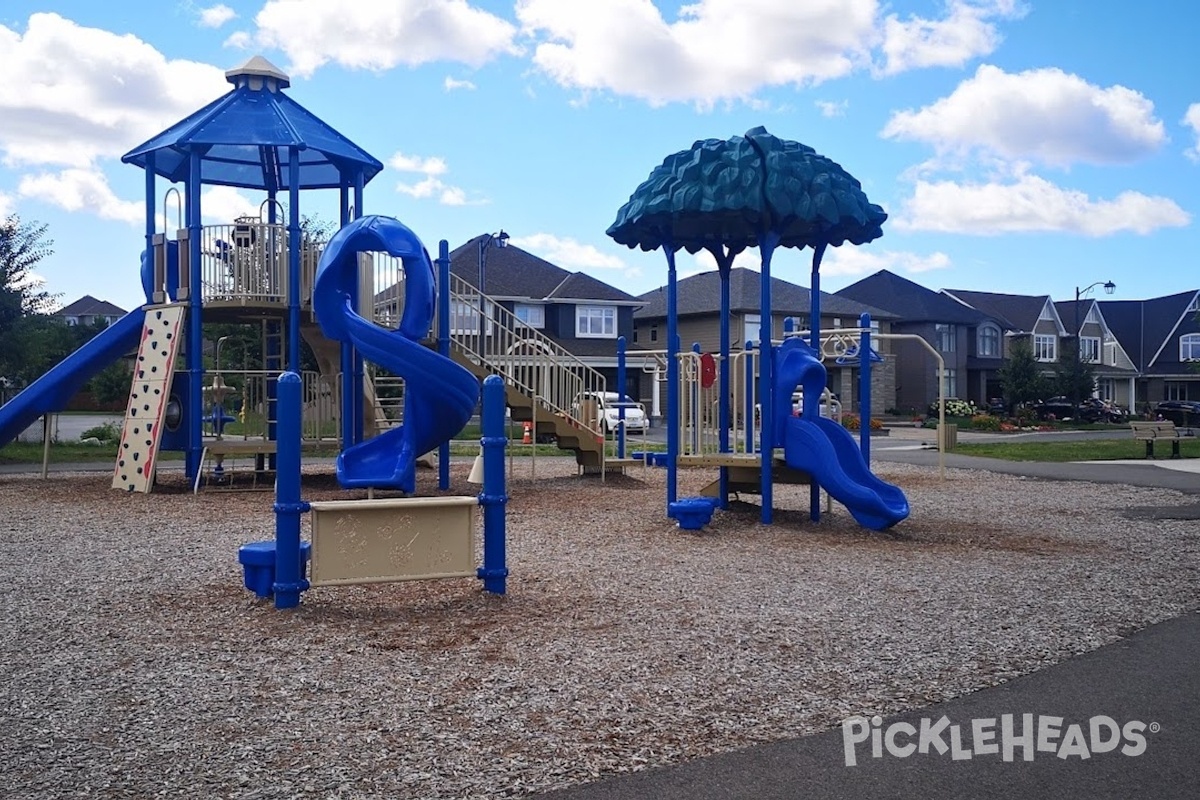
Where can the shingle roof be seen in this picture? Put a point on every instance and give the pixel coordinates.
(701, 294)
(1019, 312)
(1066, 311)
(910, 301)
(88, 306)
(513, 272)
(1141, 326)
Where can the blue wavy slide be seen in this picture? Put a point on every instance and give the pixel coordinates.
(440, 396)
(52, 391)
(826, 450)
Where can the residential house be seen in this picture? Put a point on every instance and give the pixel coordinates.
(582, 314)
(87, 310)
(698, 305)
(1098, 345)
(1161, 338)
(969, 341)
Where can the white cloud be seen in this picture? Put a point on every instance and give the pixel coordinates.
(71, 94)
(216, 16)
(451, 84)
(831, 109)
(850, 260)
(1032, 204)
(726, 50)
(1045, 115)
(382, 34)
(748, 259)
(434, 165)
(81, 190)
(430, 185)
(7, 205)
(224, 204)
(950, 42)
(1192, 120)
(239, 40)
(717, 50)
(568, 253)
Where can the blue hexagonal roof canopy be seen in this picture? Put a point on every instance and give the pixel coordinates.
(244, 137)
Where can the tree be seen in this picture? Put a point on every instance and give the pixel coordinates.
(1074, 378)
(24, 304)
(111, 385)
(1021, 376)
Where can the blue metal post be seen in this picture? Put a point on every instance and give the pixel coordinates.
(814, 491)
(443, 345)
(766, 246)
(621, 396)
(494, 497)
(293, 343)
(195, 338)
(359, 393)
(346, 358)
(289, 582)
(151, 223)
(672, 378)
(864, 388)
(723, 411)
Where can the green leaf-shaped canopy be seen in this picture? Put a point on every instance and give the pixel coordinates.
(731, 192)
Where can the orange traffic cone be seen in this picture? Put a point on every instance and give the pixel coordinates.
(528, 434)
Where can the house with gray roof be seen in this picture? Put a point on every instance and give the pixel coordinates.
(969, 341)
(698, 305)
(87, 310)
(1160, 337)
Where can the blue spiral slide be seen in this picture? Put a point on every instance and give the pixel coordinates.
(826, 450)
(439, 397)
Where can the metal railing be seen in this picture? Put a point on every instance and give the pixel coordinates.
(243, 262)
(552, 377)
(248, 402)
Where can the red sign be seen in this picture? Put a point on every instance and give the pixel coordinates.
(708, 370)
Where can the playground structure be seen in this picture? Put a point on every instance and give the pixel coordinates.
(724, 196)
(262, 271)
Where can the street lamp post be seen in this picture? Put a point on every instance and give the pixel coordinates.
(1109, 288)
(500, 240)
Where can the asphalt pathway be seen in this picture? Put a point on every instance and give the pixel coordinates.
(1151, 678)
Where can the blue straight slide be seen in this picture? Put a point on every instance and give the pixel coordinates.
(826, 450)
(52, 391)
(439, 396)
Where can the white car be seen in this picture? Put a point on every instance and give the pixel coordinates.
(831, 408)
(608, 405)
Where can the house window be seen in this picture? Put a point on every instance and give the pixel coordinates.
(464, 317)
(1106, 389)
(989, 342)
(1189, 347)
(596, 322)
(1175, 390)
(1046, 315)
(654, 333)
(951, 385)
(531, 315)
(751, 331)
(1045, 348)
(1089, 349)
(1110, 353)
(635, 335)
(1093, 315)
(1194, 306)
(945, 334)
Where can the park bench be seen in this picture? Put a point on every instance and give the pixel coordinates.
(1150, 432)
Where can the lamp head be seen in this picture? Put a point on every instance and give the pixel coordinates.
(502, 239)
(1109, 287)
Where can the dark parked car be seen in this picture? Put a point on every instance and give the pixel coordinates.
(1090, 410)
(1185, 413)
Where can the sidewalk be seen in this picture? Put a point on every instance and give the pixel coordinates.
(1152, 677)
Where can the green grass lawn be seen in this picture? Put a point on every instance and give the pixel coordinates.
(1098, 450)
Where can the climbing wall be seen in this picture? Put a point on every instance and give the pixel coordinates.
(142, 431)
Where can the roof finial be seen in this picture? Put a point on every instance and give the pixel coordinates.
(258, 73)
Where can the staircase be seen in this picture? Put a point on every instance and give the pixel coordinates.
(543, 381)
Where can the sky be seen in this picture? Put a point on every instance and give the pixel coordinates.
(1028, 147)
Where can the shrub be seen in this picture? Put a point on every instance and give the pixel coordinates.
(954, 408)
(851, 422)
(985, 422)
(108, 432)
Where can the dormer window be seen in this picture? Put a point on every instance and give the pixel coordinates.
(1189, 347)
(988, 344)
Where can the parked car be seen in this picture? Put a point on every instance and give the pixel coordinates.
(831, 407)
(1091, 410)
(609, 406)
(1184, 413)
